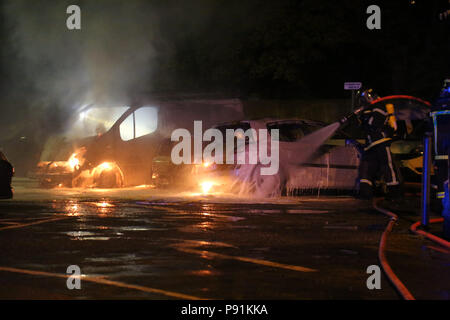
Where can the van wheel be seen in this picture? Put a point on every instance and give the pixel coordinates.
(109, 179)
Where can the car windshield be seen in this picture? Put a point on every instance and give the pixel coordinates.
(244, 126)
(293, 131)
(288, 132)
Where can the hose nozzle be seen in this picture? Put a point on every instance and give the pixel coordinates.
(348, 117)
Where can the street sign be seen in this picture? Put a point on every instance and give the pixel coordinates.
(352, 85)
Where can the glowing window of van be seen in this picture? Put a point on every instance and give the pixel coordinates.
(94, 121)
(127, 128)
(146, 121)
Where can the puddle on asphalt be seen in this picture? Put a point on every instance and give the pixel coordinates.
(120, 270)
(83, 236)
(139, 228)
(259, 211)
(220, 216)
(184, 243)
(305, 211)
(341, 227)
(199, 227)
(79, 234)
(204, 273)
(126, 258)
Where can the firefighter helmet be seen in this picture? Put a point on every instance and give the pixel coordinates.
(366, 97)
(443, 101)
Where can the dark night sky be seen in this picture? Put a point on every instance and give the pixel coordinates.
(309, 48)
(270, 49)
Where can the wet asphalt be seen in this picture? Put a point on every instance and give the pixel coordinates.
(142, 243)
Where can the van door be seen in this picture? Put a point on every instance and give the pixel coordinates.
(136, 145)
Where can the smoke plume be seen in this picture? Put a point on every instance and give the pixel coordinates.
(57, 70)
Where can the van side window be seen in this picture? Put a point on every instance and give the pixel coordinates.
(127, 128)
(146, 121)
(141, 122)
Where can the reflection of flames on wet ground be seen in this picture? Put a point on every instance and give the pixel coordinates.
(101, 207)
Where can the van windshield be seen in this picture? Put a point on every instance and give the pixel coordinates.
(94, 121)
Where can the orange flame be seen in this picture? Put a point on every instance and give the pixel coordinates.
(207, 186)
(105, 166)
(74, 162)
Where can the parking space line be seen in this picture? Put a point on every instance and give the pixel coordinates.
(102, 280)
(209, 254)
(32, 223)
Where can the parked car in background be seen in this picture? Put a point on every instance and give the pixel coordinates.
(6, 174)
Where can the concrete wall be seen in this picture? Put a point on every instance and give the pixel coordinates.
(321, 110)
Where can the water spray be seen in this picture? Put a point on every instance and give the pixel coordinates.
(294, 155)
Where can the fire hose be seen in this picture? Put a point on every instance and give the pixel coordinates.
(400, 287)
(428, 235)
(396, 282)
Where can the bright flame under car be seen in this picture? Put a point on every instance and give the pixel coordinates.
(74, 162)
(206, 164)
(105, 166)
(207, 186)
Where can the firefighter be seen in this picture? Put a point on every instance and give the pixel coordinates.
(441, 121)
(6, 173)
(379, 125)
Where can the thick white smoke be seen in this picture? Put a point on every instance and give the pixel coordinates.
(109, 59)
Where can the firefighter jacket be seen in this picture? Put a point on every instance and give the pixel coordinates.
(379, 124)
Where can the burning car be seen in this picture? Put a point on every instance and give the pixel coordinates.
(333, 166)
(115, 147)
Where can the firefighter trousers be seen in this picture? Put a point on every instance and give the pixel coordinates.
(377, 163)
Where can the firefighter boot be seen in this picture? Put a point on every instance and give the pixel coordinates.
(365, 191)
